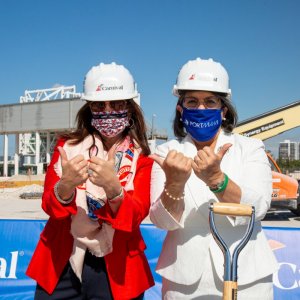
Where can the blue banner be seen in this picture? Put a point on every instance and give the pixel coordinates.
(19, 239)
(285, 243)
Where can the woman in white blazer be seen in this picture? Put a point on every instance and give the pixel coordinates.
(208, 163)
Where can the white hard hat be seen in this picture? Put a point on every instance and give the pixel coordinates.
(202, 75)
(109, 82)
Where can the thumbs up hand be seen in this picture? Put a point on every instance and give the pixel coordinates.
(102, 173)
(74, 173)
(206, 164)
(176, 166)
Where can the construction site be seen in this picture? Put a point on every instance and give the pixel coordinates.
(41, 115)
(35, 123)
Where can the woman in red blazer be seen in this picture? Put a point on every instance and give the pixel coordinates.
(96, 195)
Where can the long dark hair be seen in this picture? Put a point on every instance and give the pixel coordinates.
(136, 130)
(228, 125)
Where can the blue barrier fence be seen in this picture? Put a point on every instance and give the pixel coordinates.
(18, 239)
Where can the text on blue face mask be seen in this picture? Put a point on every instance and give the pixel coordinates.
(202, 124)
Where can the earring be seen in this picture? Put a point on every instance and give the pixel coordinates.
(180, 119)
(223, 119)
(131, 123)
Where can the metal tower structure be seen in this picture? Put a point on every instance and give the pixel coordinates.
(60, 92)
(34, 149)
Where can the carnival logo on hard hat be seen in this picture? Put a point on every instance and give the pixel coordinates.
(192, 77)
(102, 87)
(99, 88)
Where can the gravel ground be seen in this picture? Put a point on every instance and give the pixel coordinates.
(13, 207)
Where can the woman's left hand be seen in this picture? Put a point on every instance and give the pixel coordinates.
(102, 173)
(206, 164)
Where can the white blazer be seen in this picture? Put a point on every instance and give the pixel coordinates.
(189, 242)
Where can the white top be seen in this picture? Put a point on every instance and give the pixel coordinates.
(189, 242)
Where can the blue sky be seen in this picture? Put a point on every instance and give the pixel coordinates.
(44, 43)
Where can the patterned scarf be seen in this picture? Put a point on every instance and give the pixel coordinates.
(124, 155)
(89, 197)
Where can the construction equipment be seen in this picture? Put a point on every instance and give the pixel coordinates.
(285, 188)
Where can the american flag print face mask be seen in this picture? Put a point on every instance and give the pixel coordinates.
(110, 123)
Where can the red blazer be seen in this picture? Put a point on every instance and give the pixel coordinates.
(127, 267)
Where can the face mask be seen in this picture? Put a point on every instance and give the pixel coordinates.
(202, 124)
(110, 123)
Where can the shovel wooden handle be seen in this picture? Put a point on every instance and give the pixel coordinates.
(232, 209)
(230, 290)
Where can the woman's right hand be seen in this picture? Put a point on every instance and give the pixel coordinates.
(74, 173)
(176, 166)
(178, 169)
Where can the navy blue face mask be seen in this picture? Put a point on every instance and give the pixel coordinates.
(202, 124)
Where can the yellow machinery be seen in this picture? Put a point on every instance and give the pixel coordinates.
(285, 188)
(271, 123)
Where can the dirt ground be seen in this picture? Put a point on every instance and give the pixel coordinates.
(13, 207)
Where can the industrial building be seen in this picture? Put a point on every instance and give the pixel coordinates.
(36, 121)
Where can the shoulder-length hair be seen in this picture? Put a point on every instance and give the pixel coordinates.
(228, 124)
(136, 130)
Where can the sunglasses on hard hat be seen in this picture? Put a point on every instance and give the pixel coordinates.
(114, 105)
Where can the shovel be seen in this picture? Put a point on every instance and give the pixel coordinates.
(230, 262)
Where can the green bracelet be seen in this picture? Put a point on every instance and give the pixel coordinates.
(221, 186)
